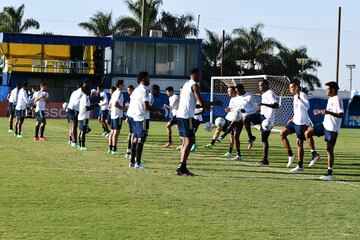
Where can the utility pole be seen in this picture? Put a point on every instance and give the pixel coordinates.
(351, 67)
(143, 18)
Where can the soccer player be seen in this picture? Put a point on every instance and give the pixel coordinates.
(173, 105)
(198, 120)
(83, 116)
(116, 110)
(72, 113)
(330, 127)
(40, 99)
(21, 105)
(130, 89)
(104, 104)
(298, 124)
(138, 107)
(12, 98)
(266, 118)
(190, 95)
(231, 110)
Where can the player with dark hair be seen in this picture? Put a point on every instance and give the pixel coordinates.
(72, 114)
(12, 98)
(266, 118)
(83, 116)
(173, 105)
(190, 99)
(137, 111)
(21, 105)
(40, 99)
(104, 111)
(130, 89)
(330, 127)
(298, 124)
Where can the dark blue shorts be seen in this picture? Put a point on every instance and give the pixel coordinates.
(116, 123)
(130, 123)
(40, 116)
(83, 125)
(257, 118)
(140, 128)
(226, 125)
(104, 115)
(238, 126)
(20, 115)
(186, 127)
(330, 136)
(298, 129)
(72, 114)
(11, 109)
(173, 121)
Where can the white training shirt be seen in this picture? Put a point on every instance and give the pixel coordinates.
(104, 102)
(40, 105)
(234, 109)
(23, 100)
(83, 103)
(75, 99)
(136, 107)
(198, 116)
(268, 97)
(301, 107)
(13, 96)
(174, 103)
(248, 103)
(335, 105)
(115, 112)
(187, 103)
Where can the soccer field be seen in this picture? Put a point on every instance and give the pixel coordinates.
(52, 191)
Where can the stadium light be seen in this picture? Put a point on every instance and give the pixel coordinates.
(302, 62)
(351, 67)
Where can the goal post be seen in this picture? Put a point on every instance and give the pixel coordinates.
(278, 84)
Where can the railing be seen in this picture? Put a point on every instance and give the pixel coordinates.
(56, 66)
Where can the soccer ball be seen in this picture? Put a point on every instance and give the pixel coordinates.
(219, 122)
(208, 126)
(46, 95)
(267, 125)
(65, 105)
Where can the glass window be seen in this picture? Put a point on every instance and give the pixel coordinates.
(192, 57)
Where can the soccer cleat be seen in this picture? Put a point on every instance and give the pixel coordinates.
(184, 172)
(296, 169)
(109, 151)
(263, 162)
(209, 146)
(115, 153)
(219, 139)
(168, 144)
(179, 148)
(194, 147)
(227, 154)
(131, 165)
(290, 160)
(83, 149)
(103, 134)
(140, 165)
(237, 158)
(19, 136)
(36, 139)
(251, 142)
(326, 177)
(73, 144)
(128, 155)
(107, 135)
(314, 160)
(10, 131)
(69, 142)
(42, 139)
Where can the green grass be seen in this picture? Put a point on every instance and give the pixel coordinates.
(49, 190)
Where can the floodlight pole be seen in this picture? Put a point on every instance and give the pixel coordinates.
(351, 67)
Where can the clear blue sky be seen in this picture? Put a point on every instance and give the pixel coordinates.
(294, 23)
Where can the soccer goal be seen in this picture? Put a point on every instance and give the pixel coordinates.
(279, 84)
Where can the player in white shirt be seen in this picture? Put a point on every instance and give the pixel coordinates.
(104, 110)
(12, 98)
(72, 115)
(172, 106)
(298, 124)
(198, 120)
(21, 105)
(40, 99)
(189, 97)
(130, 89)
(266, 118)
(137, 111)
(83, 116)
(117, 108)
(330, 127)
(231, 111)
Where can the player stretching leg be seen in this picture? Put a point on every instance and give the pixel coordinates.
(12, 98)
(40, 99)
(104, 102)
(21, 105)
(130, 89)
(173, 105)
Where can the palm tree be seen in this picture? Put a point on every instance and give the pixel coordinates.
(250, 44)
(11, 20)
(177, 26)
(151, 13)
(101, 24)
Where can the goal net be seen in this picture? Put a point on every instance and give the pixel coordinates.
(278, 84)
